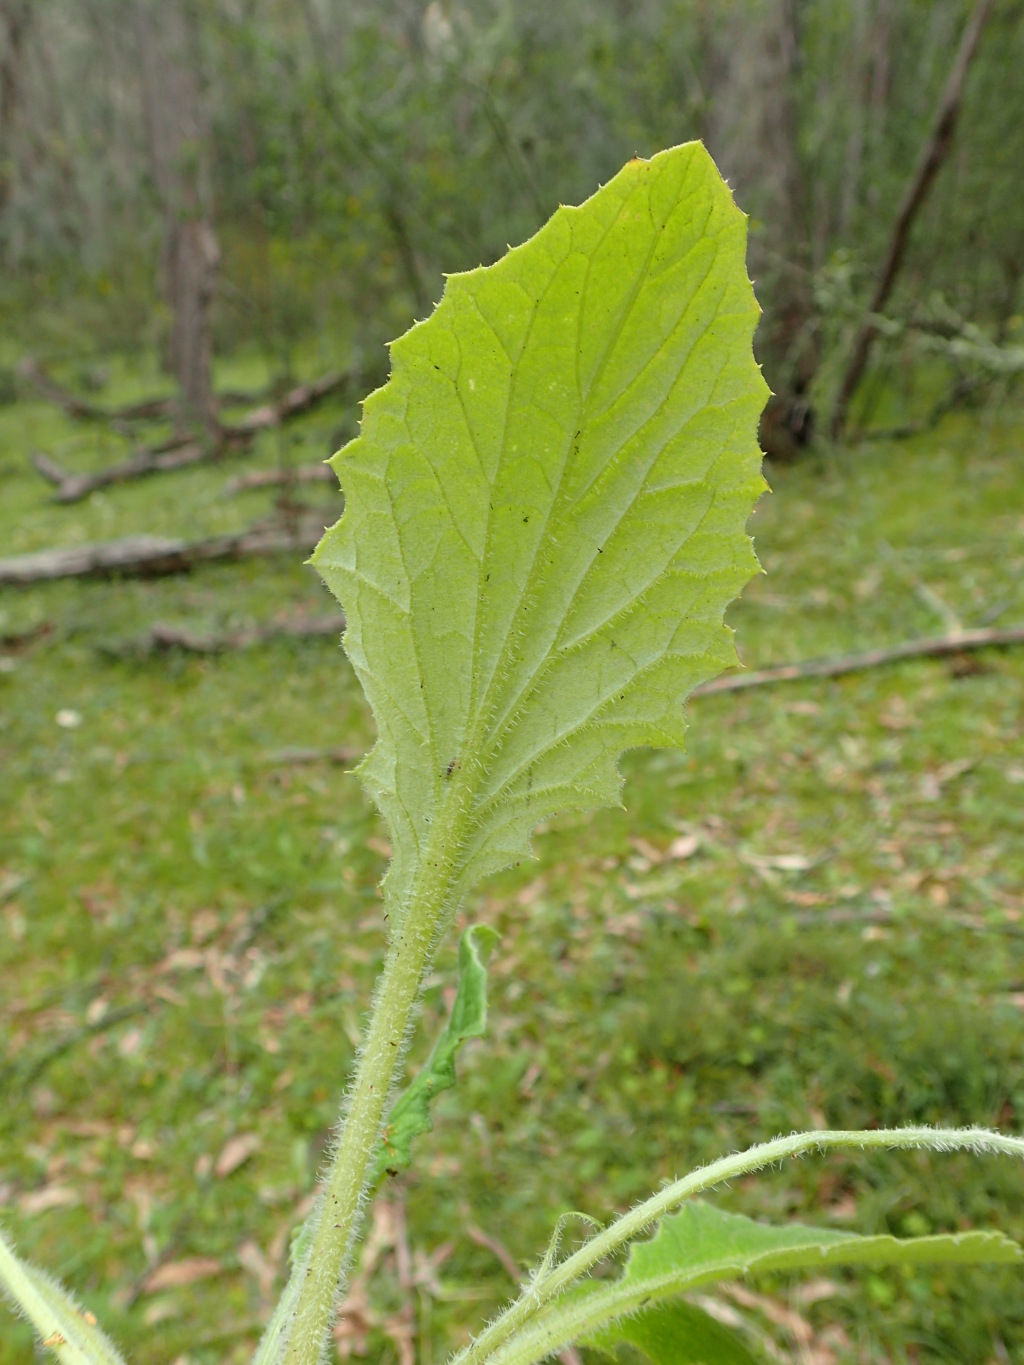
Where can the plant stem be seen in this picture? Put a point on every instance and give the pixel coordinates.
(337, 1212)
(542, 1291)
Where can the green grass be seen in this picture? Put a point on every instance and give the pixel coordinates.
(191, 925)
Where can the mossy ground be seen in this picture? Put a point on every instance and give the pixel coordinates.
(814, 916)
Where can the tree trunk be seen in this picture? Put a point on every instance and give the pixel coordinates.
(933, 154)
(752, 128)
(177, 138)
(14, 21)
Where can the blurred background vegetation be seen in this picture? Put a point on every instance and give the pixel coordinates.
(341, 157)
(213, 215)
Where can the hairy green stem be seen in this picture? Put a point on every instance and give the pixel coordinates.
(527, 1311)
(336, 1216)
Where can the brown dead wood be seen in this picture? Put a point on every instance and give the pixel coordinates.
(19, 641)
(165, 637)
(291, 404)
(936, 647)
(149, 460)
(276, 478)
(177, 453)
(154, 556)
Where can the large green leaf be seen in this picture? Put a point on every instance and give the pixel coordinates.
(68, 1330)
(702, 1244)
(677, 1333)
(545, 516)
(410, 1113)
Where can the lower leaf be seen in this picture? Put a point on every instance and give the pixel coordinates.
(68, 1330)
(410, 1117)
(701, 1245)
(676, 1334)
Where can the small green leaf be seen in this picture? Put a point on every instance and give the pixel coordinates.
(703, 1245)
(67, 1329)
(677, 1333)
(544, 521)
(410, 1114)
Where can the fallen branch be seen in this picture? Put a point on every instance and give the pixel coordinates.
(937, 647)
(162, 637)
(24, 1074)
(275, 478)
(154, 556)
(145, 409)
(297, 755)
(16, 641)
(291, 404)
(155, 460)
(179, 454)
(33, 371)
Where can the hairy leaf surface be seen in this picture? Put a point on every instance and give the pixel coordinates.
(702, 1244)
(545, 516)
(677, 1333)
(64, 1327)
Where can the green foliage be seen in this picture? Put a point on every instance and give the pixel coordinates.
(466, 808)
(702, 1245)
(409, 1116)
(545, 519)
(676, 1333)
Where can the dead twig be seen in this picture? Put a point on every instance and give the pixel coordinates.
(155, 556)
(281, 758)
(298, 400)
(25, 1074)
(275, 478)
(938, 647)
(34, 372)
(149, 460)
(165, 637)
(178, 453)
(18, 641)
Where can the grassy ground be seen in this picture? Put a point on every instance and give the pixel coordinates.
(813, 917)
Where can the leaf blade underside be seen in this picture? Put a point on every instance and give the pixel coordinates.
(545, 514)
(702, 1245)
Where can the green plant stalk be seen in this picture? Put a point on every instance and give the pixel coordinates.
(320, 1271)
(524, 1333)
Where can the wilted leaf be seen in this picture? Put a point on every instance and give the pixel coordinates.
(175, 1274)
(236, 1151)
